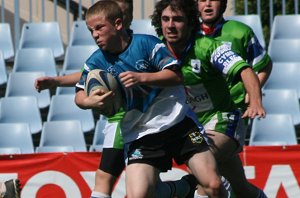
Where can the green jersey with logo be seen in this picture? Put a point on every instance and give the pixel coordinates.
(206, 67)
(244, 42)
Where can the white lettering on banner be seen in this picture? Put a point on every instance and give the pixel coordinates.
(60, 179)
(249, 172)
(8, 176)
(282, 175)
(89, 178)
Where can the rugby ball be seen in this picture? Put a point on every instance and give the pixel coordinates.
(100, 79)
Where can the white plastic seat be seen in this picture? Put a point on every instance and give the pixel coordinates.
(76, 56)
(10, 150)
(35, 60)
(65, 90)
(98, 138)
(80, 35)
(143, 26)
(284, 50)
(280, 101)
(285, 27)
(51, 149)
(6, 42)
(284, 76)
(62, 136)
(63, 107)
(253, 21)
(15, 138)
(274, 129)
(42, 35)
(22, 84)
(21, 109)
(3, 71)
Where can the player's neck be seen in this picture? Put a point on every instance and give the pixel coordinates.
(211, 24)
(176, 48)
(121, 43)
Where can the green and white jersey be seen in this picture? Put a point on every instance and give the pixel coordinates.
(206, 67)
(112, 131)
(244, 42)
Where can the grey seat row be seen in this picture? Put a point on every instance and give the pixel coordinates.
(56, 136)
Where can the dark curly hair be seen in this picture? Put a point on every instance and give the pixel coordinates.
(188, 7)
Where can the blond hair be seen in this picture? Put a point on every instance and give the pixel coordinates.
(108, 9)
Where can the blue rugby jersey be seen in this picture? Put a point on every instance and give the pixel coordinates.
(148, 109)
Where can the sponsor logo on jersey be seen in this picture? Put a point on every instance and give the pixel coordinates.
(196, 137)
(142, 65)
(224, 58)
(198, 98)
(196, 66)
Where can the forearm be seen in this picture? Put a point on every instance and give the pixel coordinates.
(264, 74)
(252, 86)
(80, 98)
(68, 80)
(161, 79)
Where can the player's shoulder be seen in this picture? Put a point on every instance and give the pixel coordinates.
(95, 56)
(145, 37)
(236, 26)
(206, 41)
(146, 42)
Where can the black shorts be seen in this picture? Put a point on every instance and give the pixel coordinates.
(179, 142)
(112, 161)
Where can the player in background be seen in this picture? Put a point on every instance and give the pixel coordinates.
(10, 189)
(158, 125)
(242, 40)
(206, 65)
(112, 163)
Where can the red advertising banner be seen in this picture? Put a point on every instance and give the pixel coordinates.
(275, 169)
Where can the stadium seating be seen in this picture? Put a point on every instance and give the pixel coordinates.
(6, 42)
(284, 50)
(254, 22)
(21, 109)
(51, 149)
(42, 35)
(274, 129)
(65, 90)
(284, 76)
(10, 150)
(35, 59)
(63, 107)
(62, 136)
(80, 35)
(22, 84)
(76, 56)
(15, 138)
(98, 138)
(142, 26)
(285, 27)
(3, 71)
(279, 101)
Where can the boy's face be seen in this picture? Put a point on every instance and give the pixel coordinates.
(174, 26)
(209, 10)
(103, 32)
